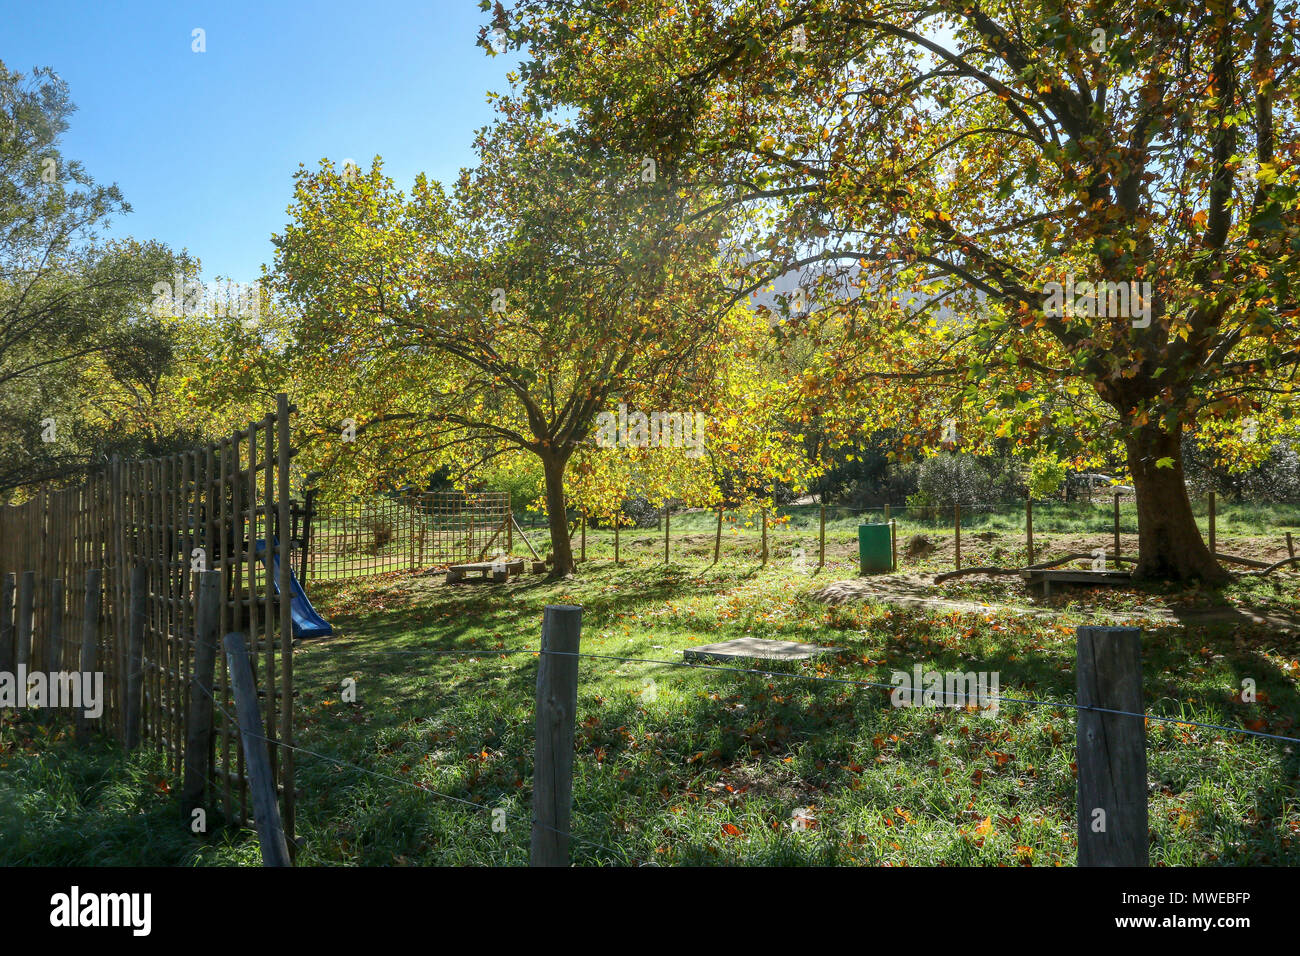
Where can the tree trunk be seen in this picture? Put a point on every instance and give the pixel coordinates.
(557, 516)
(1170, 546)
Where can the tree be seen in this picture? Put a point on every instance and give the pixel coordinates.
(75, 326)
(1098, 202)
(504, 318)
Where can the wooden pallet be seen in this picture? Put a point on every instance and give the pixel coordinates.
(499, 571)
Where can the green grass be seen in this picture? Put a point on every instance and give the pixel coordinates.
(682, 766)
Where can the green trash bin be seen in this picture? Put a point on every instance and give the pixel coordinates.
(875, 549)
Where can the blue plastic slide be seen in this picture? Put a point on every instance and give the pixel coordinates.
(306, 622)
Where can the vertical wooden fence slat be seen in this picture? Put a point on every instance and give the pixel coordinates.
(286, 615)
(956, 517)
(8, 585)
(89, 642)
(132, 670)
(261, 783)
(1112, 761)
(1029, 530)
(198, 735)
(54, 633)
(1212, 529)
(23, 624)
(821, 537)
(557, 706)
(1117, 554)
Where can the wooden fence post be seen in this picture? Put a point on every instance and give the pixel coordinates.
(1029, 529)
(1111, 757)
(23, 625)
(717, 538)
(821, 545)
(557, 707)
(1290, 546)
(89, 642)
(133, 675)
(198, 733)
(261, 782)
(956, 514)
(510, 524)
(54, 636)
(7, 588)
(1213, 550)
(1117, 532)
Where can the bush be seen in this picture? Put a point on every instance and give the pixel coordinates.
(956, 479)
(1046, 475)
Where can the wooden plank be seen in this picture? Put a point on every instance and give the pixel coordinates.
(261, 783)
(89, 641)
(133, 671)
(198, 732)
(557, 707)
(1112, 762)
(1029, 530)
(23, 623)
(8, 585)
(287, 768)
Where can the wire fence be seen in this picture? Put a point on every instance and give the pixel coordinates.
(407, 533)
(615, 854)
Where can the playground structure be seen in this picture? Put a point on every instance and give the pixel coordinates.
(147, 529)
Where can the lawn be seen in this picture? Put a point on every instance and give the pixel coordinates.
(693, 766)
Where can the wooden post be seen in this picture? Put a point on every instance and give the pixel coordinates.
(1290, 547)
(584, 535)
(54, 635)
(667, 515)
(956, 514)
(261, 782)
(1029, 529)
(133, 675)
(198, 733)
(557, 708)
(89, 642)
(821, 544)
(717, 538)
(764, 537)
(7, 588)
(510, 524)
(618, 519)
(1112, 760)
(1117, 532)
(887, 518)
(23, 625)
(1212, 542)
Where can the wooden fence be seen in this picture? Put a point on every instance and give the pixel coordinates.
(410, 532)
(219, 507)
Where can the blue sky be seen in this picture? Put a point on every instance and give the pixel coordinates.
(204, 145)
